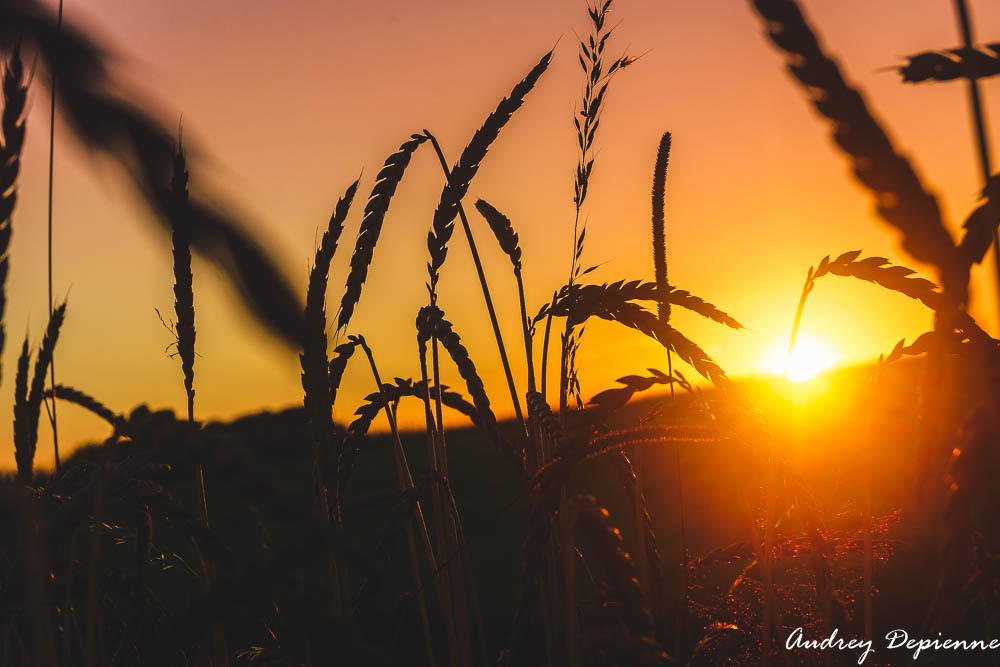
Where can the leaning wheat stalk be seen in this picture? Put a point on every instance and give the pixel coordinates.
(386, 182)
(316, 368)
(507, 239)
(457, 182)
(12, 130)
(901, 198)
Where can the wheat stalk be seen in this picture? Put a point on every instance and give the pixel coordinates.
(659, 227)
(316, 385)
(376, 402)
(28, 398)
(460, 176)
(981, 224)
(900, 279)
(880, 271)
(501, 348)
(900, 196)
(12, 131)
(610, 400)
(431, 323)
(597, 78)
(183, 289)
(507, 239)
(611, 302)
(386, 182)
(637, 290)
(24, 453)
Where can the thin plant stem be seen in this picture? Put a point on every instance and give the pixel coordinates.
(442, 463)
(526, 331)
(93, 611)
(568, 553)
(432, 457)
(52, 138)
(462, 552)
(545, 347)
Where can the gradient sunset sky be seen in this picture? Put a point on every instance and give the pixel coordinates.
(290, 101)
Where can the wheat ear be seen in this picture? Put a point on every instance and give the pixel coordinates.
(12, 131)
(460, 176)
(386, 182)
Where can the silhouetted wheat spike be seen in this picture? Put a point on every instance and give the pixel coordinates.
(659, 195)
(952, 64)
(901, 198)
(659, 227)
(183, 289)
(637, 290)
(611, 302)
(28, 400)
(316, 375)
(506, 237)
(431, 323)
(503, 231)
(878, 270)
(606, 543)
(981, 224)
(461, 175)
(15, 97)
(487, 298)
(900, 279)
(315, 364)
(338, 364)
(87, 402)
(586, 120)
(547, 422)
(24, 452)
(386, 181)
(613, 399)
(375, 403)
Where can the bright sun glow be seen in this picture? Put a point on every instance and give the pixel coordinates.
(810, 357)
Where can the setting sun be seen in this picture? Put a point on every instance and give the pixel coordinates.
(812, 355)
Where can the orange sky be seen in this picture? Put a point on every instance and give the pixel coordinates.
(292, 100)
